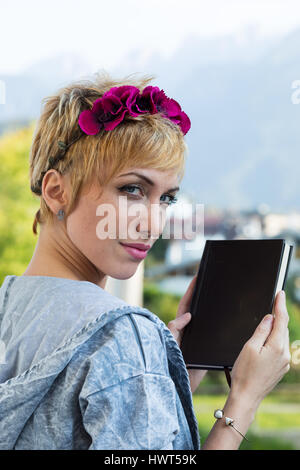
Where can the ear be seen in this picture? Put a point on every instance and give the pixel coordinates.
(55, 190)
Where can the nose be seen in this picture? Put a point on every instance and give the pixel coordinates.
(151, 221)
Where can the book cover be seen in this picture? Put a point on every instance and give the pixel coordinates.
(235, 288)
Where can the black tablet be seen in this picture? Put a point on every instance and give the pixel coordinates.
(236, 285)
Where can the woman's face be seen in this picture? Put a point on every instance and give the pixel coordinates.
(132, 208)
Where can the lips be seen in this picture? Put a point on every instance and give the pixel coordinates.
(139, 246)
(136, 252)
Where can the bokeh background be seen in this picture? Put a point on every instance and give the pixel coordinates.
(234, 67)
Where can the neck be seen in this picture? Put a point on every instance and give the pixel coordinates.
(56, 255)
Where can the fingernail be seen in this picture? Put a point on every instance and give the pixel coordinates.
(268, 319)
(282, 293)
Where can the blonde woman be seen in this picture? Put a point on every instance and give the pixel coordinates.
(83, 369)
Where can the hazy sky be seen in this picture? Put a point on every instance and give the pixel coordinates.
(107, 30)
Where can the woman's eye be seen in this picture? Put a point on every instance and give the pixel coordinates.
(172, 199)
(129, 188)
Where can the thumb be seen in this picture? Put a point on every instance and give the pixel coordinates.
(183, 320)
(180, 322)
(262, 332)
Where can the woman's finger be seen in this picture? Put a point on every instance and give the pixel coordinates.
(280, 323)
(180, 322)
(185, 302)
(287, 342)
(177, 325)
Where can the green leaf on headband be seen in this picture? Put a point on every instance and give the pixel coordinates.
(62, 145)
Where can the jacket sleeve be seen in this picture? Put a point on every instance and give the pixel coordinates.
(136, 413)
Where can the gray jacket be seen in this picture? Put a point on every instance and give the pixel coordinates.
(82, 369)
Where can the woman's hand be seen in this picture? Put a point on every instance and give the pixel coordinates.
(177, 325)
(183, 316)
(265, 358)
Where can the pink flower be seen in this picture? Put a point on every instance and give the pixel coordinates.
(151, 100)
(175, 114)
(107, 112)
(155, 100)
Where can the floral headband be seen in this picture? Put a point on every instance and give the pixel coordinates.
(110, 110)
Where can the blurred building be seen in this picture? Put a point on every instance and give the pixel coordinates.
(183, 256)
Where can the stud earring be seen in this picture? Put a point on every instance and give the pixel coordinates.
(60, 214)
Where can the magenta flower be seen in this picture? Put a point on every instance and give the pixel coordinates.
(155, 100)
(151, 100)
(107, 112)
(175, 114)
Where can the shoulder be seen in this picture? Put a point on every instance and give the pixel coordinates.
(150, 332)
(127, 345)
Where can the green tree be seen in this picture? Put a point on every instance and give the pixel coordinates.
(17, 204)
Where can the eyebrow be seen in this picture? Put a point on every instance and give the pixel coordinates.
(150, 181)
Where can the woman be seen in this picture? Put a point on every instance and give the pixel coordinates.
(84, 369)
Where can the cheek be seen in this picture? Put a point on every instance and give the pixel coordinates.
(81, 225)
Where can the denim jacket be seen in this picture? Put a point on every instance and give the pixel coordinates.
(82, 369)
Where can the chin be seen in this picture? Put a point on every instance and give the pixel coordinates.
(123, 271)
(125, 275)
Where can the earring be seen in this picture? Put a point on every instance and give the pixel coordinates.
(60, 214)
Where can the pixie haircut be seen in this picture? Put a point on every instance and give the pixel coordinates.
(145, 141)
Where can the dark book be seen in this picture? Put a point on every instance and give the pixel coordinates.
(236, 285)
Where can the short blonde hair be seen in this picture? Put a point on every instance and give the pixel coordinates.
(146, 141)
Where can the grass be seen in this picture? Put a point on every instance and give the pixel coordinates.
(276, 424)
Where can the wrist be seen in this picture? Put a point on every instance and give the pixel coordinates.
(242, 405)
(239, 409)
(195, 376)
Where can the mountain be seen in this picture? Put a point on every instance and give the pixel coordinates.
(25, 92)
(244, 141)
